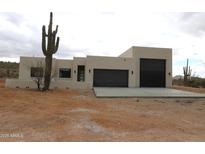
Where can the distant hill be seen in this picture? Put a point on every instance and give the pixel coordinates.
(9, 69)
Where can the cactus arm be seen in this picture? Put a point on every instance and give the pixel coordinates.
(53, 40)
(49, 36)
(56, 29)
(56, 45)
(50, 23)
(44, 40)
(187, 66)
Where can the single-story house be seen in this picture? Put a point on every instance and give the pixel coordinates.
(136, 67)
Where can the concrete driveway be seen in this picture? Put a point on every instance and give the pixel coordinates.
(145, 92)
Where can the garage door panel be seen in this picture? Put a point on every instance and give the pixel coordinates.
(110, 78)
(152, 72)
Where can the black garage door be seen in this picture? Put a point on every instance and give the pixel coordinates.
(110, 78)
(152, 72)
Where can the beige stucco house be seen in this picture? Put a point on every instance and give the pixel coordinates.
(136, 67)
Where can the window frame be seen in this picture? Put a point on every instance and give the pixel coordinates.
(64, 77)
(33, 73)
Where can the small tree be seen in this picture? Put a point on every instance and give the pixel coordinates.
(39, 75)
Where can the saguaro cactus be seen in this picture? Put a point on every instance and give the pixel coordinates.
(49, 48)
(187, 71)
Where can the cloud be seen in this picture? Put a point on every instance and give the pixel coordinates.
(106, 33)
(16, 43)
(65, 51)
(192, 23)
(107, 13)
(13, 17)
(22, 38)
(187, 15)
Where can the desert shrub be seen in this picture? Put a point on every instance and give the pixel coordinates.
(9, 70)
(203, 83)
(179, 82)
(194, 82)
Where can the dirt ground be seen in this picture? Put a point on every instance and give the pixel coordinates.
(191, 89)
(71, 115)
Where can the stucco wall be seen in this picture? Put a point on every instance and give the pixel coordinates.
(27, 62)
(127, 53)
(129, 60)
(62, 63)
(154, 53)
(25, 80)
(55, 84)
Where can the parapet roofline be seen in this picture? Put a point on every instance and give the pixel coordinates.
(100, 56)
(150, 47)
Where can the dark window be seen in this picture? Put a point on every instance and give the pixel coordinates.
(65, 73)
(36, 72)
(81, 73)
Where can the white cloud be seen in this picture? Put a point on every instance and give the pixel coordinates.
(104, 27)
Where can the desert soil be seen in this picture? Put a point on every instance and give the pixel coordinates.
(76, 115)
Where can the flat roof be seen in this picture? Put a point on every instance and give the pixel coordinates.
(150, 47)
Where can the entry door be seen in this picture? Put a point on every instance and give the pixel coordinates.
(152, 72)
(110, 78)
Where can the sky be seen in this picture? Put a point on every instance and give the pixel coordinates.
(105, 28)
